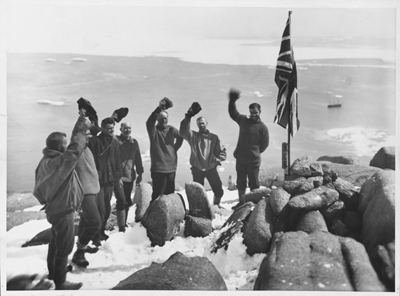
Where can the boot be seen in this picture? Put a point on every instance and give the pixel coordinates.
(121, 220)
(60, 275)
(79, 258)
(216, 201)
(241, 199)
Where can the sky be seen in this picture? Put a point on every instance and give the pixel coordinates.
(118, 27)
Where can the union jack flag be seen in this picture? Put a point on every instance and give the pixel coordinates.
(286, 80)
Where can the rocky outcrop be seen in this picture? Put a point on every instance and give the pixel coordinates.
(315, 199)
(259, 228)
(142, 199)
(278, 200)
(310, 222)
(163, 217)
(384, 158)
(319, 261)
(383, 259)
(256, 195)
(177, 273)
(340, 159)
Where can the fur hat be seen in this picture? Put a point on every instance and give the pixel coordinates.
(90, 112)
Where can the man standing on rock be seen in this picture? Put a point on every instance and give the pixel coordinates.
(165, 141)
(130, 159)
(253, 140)
(105, 149)
(58, 187)
(206, 152)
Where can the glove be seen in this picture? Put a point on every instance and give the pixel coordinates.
(222, 155)
(234, 94)
(165, 104)
(194, 109)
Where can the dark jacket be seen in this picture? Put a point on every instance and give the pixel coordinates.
(163, 147)
(130, 158)
(208, 159)
(105, 151)
(253, 137)
(56, 182)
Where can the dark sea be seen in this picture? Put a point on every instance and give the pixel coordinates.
(42, 90)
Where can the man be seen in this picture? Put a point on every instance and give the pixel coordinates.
(165, 141)
(130, 158)
(105, 150)
(57, 186)
(253, 140)
(90, 221)
(206, 152)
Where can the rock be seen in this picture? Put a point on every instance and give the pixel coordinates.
(315, 199)
(316, 181)
(293, 186)
(352, 222)
(142, 199)
(259, 228)
(338, 227)
(177, 273)
(301, 167)
(242, 214)
(226, 236)
(340, 159)
(19, 202)
(306, 186)
(337, 209)
(231, 184)
(316, 169)
(384, 158)
(377, 209)
(311, 221)
(163, 218)
(278, 200)
(383, 260)
(18, 218)
(256, 195)
(197, 227)
(44, 237)
(318, 261)
(199, 205)
(347, 193)
(355, 174)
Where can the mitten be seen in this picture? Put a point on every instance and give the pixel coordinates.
(234, 94)
(194, 109)
(165, 104)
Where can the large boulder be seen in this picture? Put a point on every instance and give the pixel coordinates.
(355, 174)
(142, 199)
(259, 228)
(383, 260)
(340, 159)
(315, 199)
(311, 221)
(197, 226)
(163, 218)
(177, 273)
(317, 261)
(278, 200)
(301, 167)
(384, 158)
(377, 209)
(199, 205)
(256, 195)
(337, 209)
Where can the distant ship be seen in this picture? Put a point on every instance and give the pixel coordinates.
(334, 105)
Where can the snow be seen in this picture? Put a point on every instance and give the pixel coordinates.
(125, 253)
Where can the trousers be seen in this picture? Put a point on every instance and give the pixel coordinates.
(244, 172)
(163, 183)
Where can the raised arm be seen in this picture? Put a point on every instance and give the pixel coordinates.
(184, 129)
(233, 97)
(151, 121)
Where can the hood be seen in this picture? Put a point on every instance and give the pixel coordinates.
(50, 153)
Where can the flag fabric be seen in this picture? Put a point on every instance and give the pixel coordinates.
(286, 80)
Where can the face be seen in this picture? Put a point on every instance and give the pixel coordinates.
(108, 129)
(255, 114)
(202, 124)
(163, 119)
(125, 129)
(64, 145)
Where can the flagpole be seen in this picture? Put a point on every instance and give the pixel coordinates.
(290, 123)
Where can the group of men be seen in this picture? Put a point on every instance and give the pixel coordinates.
(83, 174)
